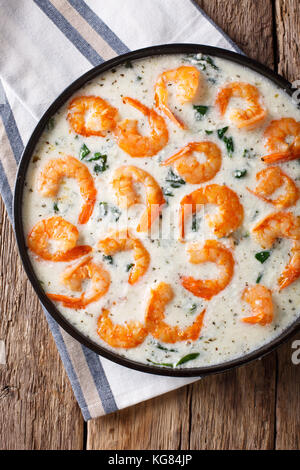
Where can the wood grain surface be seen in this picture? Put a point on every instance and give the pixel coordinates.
(253, 407)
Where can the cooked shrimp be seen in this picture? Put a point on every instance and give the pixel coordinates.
(269, 180)
(250, 117)
(128, 335)
(282, 140)
(187, 80)
(155, 324)
(281, 225)
(123, 241)
(73, 277)
(292, 271)
(187, 165)
(260, 299)
(91, 115)
(123, 183)
(214, 252)
(56, 170)
(60, 231)
(230, 215)
(131, 141)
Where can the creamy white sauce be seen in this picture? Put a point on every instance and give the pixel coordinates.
(224, 336)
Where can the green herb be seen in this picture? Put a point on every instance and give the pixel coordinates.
(201, 110)
(97, 156)
(108, 258)
(188, 357)
(262, 256)
(102, 165)
(175, 180)
(193, 308)
(164, 364)
(50, 124)
(229, 145)
(159, 346)
(116, 211)
(210, 61)
(194, 223)
(55, 207)
(259, 278)
(103, 209)
(239, 173)
(167, 192)
(221, 132)
(209, 132)
(249, 153)
(84, 151)
(128, 64)
(139, 78)
(129, 266)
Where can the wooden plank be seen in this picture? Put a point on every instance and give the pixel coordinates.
(249, 24)
(288, 388)
(217, 412)
(37, 406)
(235, 410)
(154, 424)
(287, 28)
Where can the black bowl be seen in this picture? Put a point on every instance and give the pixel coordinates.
(18, 195)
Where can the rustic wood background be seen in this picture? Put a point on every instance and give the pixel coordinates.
(254, 407)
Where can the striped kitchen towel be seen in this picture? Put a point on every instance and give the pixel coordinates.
(45, 45)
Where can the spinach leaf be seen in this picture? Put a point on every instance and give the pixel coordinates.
(239, 173)
(108, 258)
(201, 110)
(262, 256)
(102, 165)
(221, 132)
(188, 357)
(175, 180)
(84, 151)
(165, 364)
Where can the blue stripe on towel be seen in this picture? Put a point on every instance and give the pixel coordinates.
(99, 26)
(10, 125)
(71, 33)
(101, 382)
(68, 365)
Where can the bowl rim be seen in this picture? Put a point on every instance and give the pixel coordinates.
(62, 98)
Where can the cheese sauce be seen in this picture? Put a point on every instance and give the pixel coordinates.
(224, 336)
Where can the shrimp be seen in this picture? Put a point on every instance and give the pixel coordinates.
(277, 134)
(56, 170)
(91, 115)
(269, 180)
(260, 299)
(188, 166)
(63, 233)
(123, 183)
(123, 241)
(154, 321)
(132, 142)
(73, 277)
(214, 252)
(250, 117)
(231, 212)
(281, 225)
(128, 335)
(188, 83)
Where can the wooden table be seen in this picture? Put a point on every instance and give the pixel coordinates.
(254, 407)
